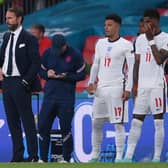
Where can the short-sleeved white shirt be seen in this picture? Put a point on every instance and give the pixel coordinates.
(151, 75)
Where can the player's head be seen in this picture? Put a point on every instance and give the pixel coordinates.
(112, 24)
(152, 16)
(59, 43)
(152, 13)
(37, 30)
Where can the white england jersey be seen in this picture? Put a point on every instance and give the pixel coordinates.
(109, 61)
(151, 75)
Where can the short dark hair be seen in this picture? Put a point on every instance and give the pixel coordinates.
(152, 13)
(39, 27)
(114, 17)
(18, 10)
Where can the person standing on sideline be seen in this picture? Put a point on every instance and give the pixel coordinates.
(62, 66)
(151, 50)
(19, 65)
(38, 30)
(111, 55)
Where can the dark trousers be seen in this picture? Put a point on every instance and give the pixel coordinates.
(17, 102)
(64, 111)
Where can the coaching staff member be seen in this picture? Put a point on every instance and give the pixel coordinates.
(62, 66)
(19, 64)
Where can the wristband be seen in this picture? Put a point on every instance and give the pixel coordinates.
(151, 42)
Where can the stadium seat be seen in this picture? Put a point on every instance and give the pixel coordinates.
(163, 11)
(130, 38)
(88, 55)
(89, 48)
(82, 85)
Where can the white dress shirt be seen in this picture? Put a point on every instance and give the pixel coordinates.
(15, 71)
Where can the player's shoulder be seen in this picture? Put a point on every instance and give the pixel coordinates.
(125, 42)
(122, 39)
(101, 41)
(164, 34)
(141, 36)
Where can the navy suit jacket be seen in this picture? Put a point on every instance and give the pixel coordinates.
(27, 57)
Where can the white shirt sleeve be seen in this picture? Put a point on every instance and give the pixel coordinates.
(138, 45)
(95, 66)
(130, 62)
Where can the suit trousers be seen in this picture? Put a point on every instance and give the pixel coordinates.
(18, 108)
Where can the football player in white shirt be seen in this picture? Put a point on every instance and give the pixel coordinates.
(150, 55)
(111, 54)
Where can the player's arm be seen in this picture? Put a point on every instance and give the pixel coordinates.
(159, 55)
(130, 63)
(94, 72)
(92, 80)
(135, 74)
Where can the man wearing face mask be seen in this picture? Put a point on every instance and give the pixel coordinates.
(19, 65)
(62, 66)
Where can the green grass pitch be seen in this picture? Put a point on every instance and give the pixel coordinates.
(83, 165)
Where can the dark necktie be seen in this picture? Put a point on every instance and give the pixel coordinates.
(9, 70)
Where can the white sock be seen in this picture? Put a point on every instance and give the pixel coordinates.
(159, 138)
(97, 135)
(133, 137)
(119, 140)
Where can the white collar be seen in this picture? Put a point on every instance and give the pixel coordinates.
(17, 31)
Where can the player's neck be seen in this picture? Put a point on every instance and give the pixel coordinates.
(114, 38)
(158, 31)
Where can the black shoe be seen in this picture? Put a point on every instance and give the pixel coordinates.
(30, 159)
(17, 160)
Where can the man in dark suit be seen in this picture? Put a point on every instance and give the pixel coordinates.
(19, 65)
